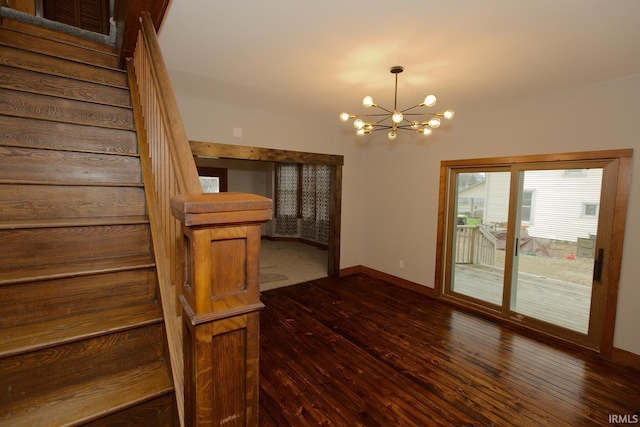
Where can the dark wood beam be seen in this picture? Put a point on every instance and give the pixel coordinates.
(241, 152)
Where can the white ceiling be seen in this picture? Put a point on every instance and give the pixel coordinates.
(322, 57)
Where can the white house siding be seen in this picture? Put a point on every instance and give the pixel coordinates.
(496, 203)
(557, 206)
(474, 194)
(558, 200)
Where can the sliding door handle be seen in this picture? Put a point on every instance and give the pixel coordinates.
(597, 267)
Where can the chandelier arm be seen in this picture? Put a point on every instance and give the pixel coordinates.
(372, 115)
(411, 108)
(380, 127)
(388, 111)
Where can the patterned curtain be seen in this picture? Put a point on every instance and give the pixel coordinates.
(316, 200)
(286, 199)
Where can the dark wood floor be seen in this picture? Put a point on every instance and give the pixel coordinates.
(358, 351)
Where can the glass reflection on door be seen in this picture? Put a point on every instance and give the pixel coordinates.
(554, 260)
(482, 205)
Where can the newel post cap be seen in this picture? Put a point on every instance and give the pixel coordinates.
(221, 208)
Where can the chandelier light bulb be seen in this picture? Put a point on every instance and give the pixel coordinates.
(426, 131)
(392, 135)
(415, 125)
(358, 124)
(360, 132)
(430, 100)
(448, 114)
(434, 123)
(344, 117)
(397, 117)
(367, 101)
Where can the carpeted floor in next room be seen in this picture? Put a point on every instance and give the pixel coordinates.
(284, 263)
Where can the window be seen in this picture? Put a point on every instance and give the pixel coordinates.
(303, 191)
(527, 206)
(210, 184)
(316, 199)
(590, 210)
(213, 180)
(286, 203)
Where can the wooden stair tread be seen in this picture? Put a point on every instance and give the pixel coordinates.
(45, 107)
(61, 49)
(92, 400)
(64, 87)
(37, 133)
(36, 336)
(70, 222)
(23, 202)
(20, 58)
(71, 183)
(67, 166)
(68, 149)
(85, 268)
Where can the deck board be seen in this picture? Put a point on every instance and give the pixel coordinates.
(555, 301)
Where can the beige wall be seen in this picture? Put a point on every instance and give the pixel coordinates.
(244, 176)
(390, 192)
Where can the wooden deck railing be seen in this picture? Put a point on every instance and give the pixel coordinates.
(169, 169)
(475, 245)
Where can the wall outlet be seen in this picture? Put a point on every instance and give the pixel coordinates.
(401, 264)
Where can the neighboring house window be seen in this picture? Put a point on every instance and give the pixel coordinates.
(590, 210)
(575, 172)
(527, 206)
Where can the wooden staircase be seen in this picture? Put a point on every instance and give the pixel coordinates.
(81, 332)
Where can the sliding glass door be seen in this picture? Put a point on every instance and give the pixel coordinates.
(556, 223)
(528, 241)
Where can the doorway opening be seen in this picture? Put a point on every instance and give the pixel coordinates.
(212, 155)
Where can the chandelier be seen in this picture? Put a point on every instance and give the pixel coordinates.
(395, 119)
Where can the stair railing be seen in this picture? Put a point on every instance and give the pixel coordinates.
(169, 169)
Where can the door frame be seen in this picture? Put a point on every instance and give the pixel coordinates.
(618, 192)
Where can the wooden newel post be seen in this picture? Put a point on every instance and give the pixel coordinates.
(220, 305)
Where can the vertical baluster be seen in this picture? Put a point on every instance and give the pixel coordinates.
(165, 177)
